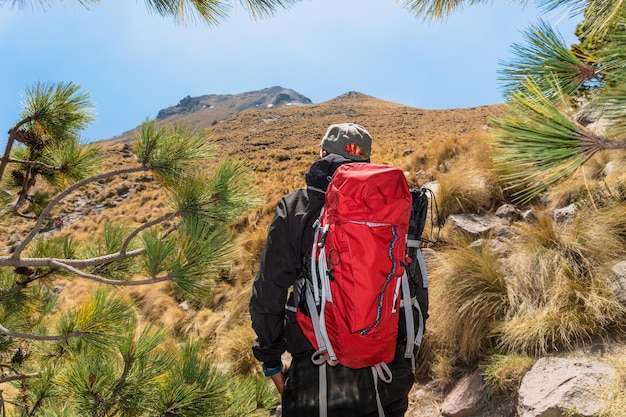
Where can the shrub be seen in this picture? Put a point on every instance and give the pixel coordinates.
(469, 298)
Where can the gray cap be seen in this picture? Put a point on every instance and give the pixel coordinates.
(349, 140)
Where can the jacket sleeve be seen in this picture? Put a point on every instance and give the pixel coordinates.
(277, 272)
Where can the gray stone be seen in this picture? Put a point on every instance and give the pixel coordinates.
(564, 214)
(556, 386)
(509, 211)
(620, 286)
(474, 224)
(464, 399)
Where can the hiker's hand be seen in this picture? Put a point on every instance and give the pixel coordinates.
(279, 378)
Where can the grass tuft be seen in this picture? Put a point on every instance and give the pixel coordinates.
(562, 288)
(469, 298)
(505, 372)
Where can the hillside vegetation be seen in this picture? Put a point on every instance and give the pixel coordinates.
(530, 288)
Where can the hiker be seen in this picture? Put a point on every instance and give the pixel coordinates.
(285, 261)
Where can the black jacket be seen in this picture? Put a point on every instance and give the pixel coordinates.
(283, 260)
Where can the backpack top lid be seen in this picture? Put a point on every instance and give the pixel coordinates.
(368, 192)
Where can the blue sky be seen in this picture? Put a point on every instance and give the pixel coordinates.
(134, 64)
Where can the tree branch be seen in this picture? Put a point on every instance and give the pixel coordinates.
(28, 336)
(7, 150)
(145, 226)
(77, 263)
(44, 214)
(98, 278)
(18, 377)
(35, 163)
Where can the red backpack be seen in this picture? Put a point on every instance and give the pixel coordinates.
(358, 269)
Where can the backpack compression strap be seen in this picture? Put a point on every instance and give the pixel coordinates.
(408, 320)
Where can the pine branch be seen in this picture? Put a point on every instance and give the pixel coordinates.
(19, 376)
(36, 163)
(146, 226)
(98, 278)
(538, 145)
(30, 336)
(46, 212)
(7, 150)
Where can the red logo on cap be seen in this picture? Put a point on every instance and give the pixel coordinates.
(353, 149)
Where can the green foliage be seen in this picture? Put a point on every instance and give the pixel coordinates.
(132, 371)
(441, 9)
(111, 240)
(614, 97)
(96, 359)
(170, 150)
(545, 58)
(251, 396)
(218, 200)
(538, 145)
(192, 387)
(72, 162)
(505, 372)
(56, 110)
(541, 142)
(119, 380)
(100, 320)
(52, 116)
(194, 261)
(210, 12)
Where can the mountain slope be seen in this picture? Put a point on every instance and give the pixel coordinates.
(206, 110)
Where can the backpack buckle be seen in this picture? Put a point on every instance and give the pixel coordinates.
(322, 240)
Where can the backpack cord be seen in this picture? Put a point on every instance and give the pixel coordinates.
(379, 404)
(433, 208)
(319, 356)
(323, 391)
(422, 264)
(408, 320)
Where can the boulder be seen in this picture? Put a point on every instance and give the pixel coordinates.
(557, 386)
(465, 398)
(475, 224)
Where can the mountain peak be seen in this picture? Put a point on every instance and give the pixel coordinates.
(221, 106)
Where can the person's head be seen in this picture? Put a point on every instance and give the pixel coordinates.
(349, 140)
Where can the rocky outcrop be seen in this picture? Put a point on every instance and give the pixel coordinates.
(465, 398)
(557, 386)
(554, 387)
(228, 104)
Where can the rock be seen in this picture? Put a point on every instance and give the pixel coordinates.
(556, 386)
(423, 400)
(564, 214)
(529, 216)
(464, 399)
(56, 290)
(474, 224)
(432, 186)
(508, 211)
(620, 286)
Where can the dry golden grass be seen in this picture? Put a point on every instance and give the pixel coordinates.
(468, 299)
(461, 165)
(443, 369)
(236, 350)
(562, 289)
(615, 395)
(602, 177)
